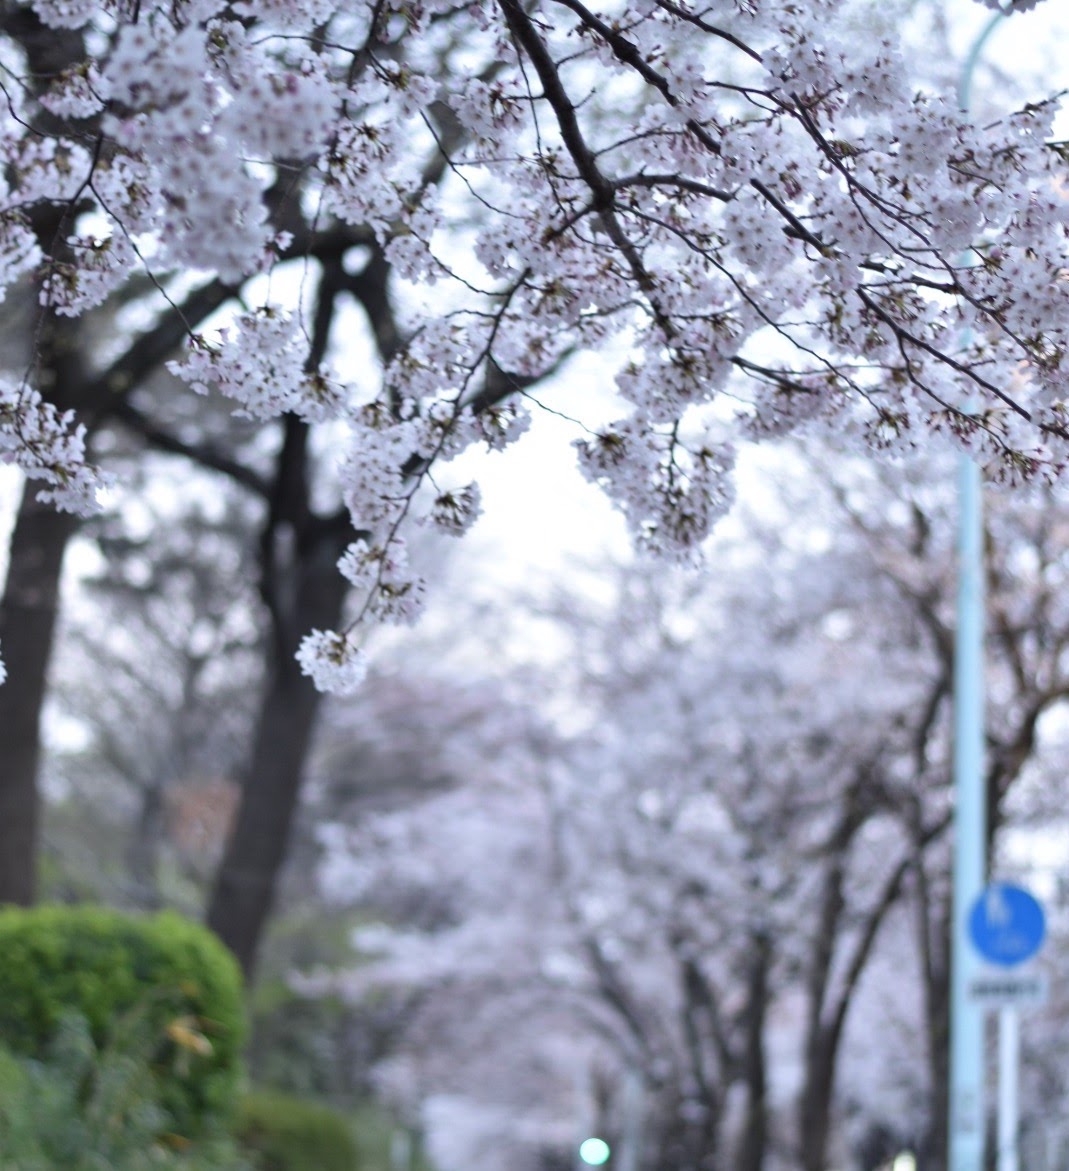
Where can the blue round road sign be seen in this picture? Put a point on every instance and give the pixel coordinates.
(1006, 924)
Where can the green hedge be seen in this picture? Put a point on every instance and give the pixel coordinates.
(162, 974)
(291, 1134)
(81, 1108)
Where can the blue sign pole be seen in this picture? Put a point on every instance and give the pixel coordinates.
(966, 1129)
(966, 1018)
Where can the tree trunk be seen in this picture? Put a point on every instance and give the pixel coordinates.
(937, 1137)
(936, 1142)
(245, 884)
(753, 1142)
(30, 604)
(143, 854)
(815, 1120)
(28, 612)
(683, 1136)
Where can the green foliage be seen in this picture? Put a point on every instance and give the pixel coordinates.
(84, 1108)
(291, 1134)
(105, 966)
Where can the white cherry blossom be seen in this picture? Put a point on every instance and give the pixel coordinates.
(333, 661)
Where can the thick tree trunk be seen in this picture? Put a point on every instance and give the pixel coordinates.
(753, 1142)
(247, 878)
(30, 604)
(815, 1119)
(28, 612)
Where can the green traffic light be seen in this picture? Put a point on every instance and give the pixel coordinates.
(594, 1151)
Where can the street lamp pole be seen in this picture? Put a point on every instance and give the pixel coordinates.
(966, 1121)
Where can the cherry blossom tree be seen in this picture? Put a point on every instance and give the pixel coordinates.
(299, 544)
(756, 219)
(718, 855)
(696, 881)
(1026, 676)
(756, 213)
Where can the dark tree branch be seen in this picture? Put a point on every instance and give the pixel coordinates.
(204, 454)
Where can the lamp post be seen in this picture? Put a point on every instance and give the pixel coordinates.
(967, 1120)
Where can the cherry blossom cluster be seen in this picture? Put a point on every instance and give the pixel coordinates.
(455, 512)
(334, 661)
(97, 266)
(260, 363)
(671, 495)
(48, 445)
(382, 572)
(755, 215)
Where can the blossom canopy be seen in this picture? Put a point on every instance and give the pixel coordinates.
(752, 214)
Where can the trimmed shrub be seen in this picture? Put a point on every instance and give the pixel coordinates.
(292, 1134)
(163, 975)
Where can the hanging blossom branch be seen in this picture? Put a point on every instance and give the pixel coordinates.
(755, 210)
